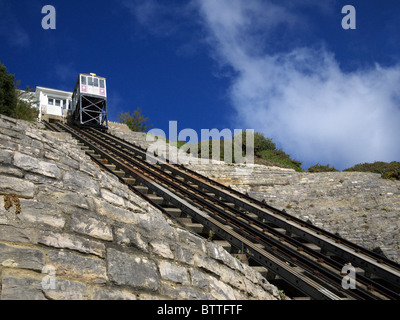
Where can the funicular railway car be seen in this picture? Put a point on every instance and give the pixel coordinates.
(89, 102)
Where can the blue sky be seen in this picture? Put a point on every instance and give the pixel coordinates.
(285, 68)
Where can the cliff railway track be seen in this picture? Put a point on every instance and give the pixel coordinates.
(293, 254)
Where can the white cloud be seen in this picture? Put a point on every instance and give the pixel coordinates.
(301, 97)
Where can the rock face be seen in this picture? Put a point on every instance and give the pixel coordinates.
(361, 207)
(81, 234)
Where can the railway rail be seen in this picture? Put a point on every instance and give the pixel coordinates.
(303, 256)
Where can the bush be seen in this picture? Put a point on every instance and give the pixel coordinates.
(386, 170)
(135, 121)
(8, 94)
(280, 158)
(320, 168)
(260, 142)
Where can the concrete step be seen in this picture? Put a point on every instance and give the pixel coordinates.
(175, 212)
(186, 220)
(142, 189)
(130, 180)
(156, 199)
(110, 166)
(119, 173)
(195, 227)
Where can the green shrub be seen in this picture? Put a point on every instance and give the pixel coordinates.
(135, 121)
(8, 94)
(260, 142)
(386, 170)
(280, 158)
(320, 168)
(26, 110)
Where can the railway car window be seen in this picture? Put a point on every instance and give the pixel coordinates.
(58, 103)
(96, 82)
(83, 80)
(90, 81)
(51, 102)
(102, 84)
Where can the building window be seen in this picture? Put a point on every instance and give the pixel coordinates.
(51, 102)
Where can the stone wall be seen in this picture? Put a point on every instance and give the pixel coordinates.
(361, 207)
(74, 231)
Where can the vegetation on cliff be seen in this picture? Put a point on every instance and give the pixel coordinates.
(386, 170)
(11, 102)
(135, 121)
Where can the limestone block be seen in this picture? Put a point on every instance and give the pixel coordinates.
(175, 291)
(11, 171)
(15, 234)
(38, 213)
(5, 157)
(199, 279)
(115, 213)
(130, 237)
(64, 240)
(32, 164)
(68, 264)
(172, 272)
(162, 249)
(67, 290)
(22, 258)
(184, 255)
(220, 290)
(132, 270)
(91, 227)
(81, 182)
(154, 222)
(15, 288)
(20, 187)
(110, 294)
(65, 200)
(112, 198)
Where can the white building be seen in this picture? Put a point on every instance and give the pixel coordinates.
(53, 104)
